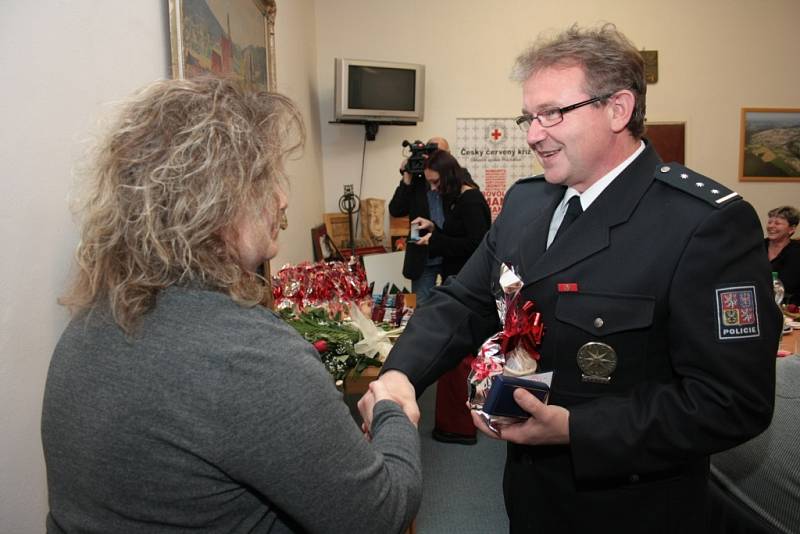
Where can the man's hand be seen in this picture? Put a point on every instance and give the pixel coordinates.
(406, 174)
(547, 425)
(392, 385)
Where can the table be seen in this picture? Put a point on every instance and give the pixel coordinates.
(357, 384)
(791, 342)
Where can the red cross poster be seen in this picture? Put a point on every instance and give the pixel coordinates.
(496, 154)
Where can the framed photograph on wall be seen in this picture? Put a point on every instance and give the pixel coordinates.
(224, 37)
(769, 148)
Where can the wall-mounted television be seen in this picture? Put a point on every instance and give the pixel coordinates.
(381, 91)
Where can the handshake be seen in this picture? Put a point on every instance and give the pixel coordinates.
(394, 386)
(547, 424)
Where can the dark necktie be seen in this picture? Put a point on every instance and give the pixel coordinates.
(573, 210)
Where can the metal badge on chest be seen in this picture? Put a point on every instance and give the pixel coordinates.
(597, 361)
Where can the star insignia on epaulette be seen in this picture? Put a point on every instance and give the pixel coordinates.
(695, 184)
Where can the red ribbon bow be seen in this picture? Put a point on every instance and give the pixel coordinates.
(523, 326)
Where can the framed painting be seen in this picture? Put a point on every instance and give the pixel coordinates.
(224, 37)
(769, 148)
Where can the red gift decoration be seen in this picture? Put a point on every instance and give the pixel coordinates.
(512, 351)
(523, 327)
(330, 285)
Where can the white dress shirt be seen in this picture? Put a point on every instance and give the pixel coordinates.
(588, 196)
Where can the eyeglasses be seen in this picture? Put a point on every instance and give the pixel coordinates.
(551, 117)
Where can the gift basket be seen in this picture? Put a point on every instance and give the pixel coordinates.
(509, 359)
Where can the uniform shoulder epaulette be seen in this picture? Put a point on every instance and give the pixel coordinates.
(530, 179)
(695, 184)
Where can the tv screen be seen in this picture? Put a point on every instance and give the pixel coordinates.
(381, 88)
(384, 91)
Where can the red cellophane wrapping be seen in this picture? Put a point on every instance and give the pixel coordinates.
(514, 350)
(328, 285)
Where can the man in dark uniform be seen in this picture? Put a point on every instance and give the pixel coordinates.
(656, 301)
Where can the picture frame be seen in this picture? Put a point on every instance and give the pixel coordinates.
(324, 249)
(337, 227)
(224, 37)
(769, 145)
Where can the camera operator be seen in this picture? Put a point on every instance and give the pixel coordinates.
(414, 198)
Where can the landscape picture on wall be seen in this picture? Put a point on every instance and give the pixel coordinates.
(770, 145)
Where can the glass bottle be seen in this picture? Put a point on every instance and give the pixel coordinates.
(777, 287)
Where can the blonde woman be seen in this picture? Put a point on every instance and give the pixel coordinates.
(175, 402)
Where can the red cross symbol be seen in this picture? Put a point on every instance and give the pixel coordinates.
(496, 134)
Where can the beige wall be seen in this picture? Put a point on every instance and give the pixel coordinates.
(715, 56)
(60, 62)
(296, 53)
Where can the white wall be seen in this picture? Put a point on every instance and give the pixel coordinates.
(61, 60)
(296, 53)
(715, 57)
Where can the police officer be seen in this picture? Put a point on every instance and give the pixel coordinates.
(651, 281)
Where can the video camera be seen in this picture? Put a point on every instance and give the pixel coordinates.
(416, 160)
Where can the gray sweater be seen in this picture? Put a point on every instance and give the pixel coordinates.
(217, 418)
(765, 471)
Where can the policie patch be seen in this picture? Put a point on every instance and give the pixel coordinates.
(737, 312)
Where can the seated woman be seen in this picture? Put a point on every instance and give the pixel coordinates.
(173, 401)
(466, 220)
(783, 251)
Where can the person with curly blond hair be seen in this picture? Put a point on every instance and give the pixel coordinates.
(173, 400)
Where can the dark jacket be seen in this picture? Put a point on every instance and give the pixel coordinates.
(787, 265)
(673, 277)
(412, 201)
(466, 220)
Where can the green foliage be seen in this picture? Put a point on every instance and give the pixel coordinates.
(340, 355)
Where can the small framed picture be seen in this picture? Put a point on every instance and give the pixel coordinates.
(769, 149)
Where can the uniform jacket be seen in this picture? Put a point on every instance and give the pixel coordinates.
(657, 259)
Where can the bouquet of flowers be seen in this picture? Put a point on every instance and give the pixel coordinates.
(334, 339)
